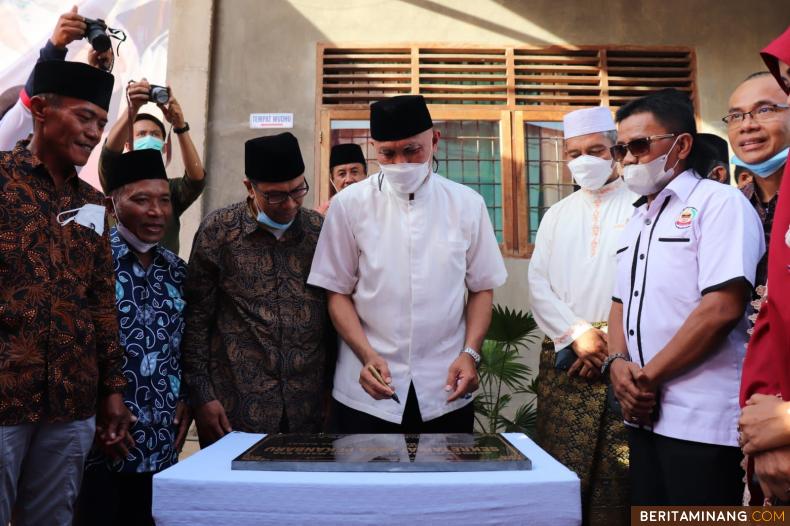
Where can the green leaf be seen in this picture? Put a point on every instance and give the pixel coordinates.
(514, 328)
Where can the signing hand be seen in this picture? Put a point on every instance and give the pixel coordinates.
(369, 383)
(764, 424)
(461, 377)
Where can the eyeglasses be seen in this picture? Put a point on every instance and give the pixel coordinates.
(761, 114)
(277, 198)
(637, 147)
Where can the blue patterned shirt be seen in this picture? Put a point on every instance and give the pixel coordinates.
(150, 315)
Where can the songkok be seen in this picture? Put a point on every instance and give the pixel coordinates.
(73, 79)
(588, 120)
(399, 117)
(715, 146)
(134, 166)
(346, 154)
(273, 158)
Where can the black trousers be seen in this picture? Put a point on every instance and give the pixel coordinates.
(348, 420)
(670, 472)
(120, 499)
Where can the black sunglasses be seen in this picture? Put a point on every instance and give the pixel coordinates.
(637, 147)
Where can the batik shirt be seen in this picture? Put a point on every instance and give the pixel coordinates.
(150, 314)
(256, 331)
(59, 348)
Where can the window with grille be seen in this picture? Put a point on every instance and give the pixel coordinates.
(499, 110)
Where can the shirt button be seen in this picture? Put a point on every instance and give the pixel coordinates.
(641, 256)
(648, 222)
(636, 293)
(631, 332)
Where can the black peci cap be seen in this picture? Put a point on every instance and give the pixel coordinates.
(399, 117)
(137, 165)
(273, 158)
(73, 79)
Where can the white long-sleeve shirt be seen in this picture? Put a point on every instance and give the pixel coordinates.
(572, 270)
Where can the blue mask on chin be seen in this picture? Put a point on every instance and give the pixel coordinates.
(271, 223)
(149, 142)
(765, 168)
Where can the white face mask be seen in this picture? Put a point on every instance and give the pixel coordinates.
(90, 216)
(590, 172)
(136, 243)
(406, 178)
(651, 177)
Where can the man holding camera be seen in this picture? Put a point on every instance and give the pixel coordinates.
(149, 132)
(17, 123)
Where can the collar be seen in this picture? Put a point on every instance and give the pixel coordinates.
(26, 161)
(681, 186)
(606, 191)
(250, 225)
(422, 192)
(120, 249)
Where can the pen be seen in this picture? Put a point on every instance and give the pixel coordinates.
(377, 375)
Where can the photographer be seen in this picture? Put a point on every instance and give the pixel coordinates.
(149, 132)
(17, 123)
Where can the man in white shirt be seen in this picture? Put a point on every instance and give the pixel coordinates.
(571, 276)
(677, 327)
(397, 254)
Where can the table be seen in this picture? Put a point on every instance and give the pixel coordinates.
(203, 490)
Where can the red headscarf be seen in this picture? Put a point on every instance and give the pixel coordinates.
(778, 50)
(766, 369)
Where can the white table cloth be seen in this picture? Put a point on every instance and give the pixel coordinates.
(203, 490)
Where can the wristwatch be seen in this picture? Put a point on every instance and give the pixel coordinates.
(608, 363)
(179, 131)
(474, 354)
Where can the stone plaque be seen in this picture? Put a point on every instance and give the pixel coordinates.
(381, 452)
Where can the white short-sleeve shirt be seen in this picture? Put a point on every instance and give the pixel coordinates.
(697, 236)
(407, 265)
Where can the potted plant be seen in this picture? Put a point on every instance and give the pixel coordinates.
(503, 373)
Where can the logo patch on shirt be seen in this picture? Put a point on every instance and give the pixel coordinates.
(686, 217)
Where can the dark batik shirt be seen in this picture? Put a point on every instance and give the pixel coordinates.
(58, 329)
(150, 308)
(254, 338)
(766, 213)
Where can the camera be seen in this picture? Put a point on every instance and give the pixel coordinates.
(159, 94)
(96, 34)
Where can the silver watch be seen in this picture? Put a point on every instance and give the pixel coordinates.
(474, 354)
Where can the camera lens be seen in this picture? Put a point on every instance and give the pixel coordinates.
(96, 35)
(159, 94)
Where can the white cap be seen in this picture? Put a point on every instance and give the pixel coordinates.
(588, 120)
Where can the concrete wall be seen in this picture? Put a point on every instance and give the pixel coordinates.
(262, 59)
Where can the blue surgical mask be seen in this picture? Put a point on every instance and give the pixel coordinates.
(149, 142)
(268, 221)
(765, 168)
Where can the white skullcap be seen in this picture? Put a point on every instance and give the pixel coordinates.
(588, 120)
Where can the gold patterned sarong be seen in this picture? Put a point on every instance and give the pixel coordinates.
(577, 428)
